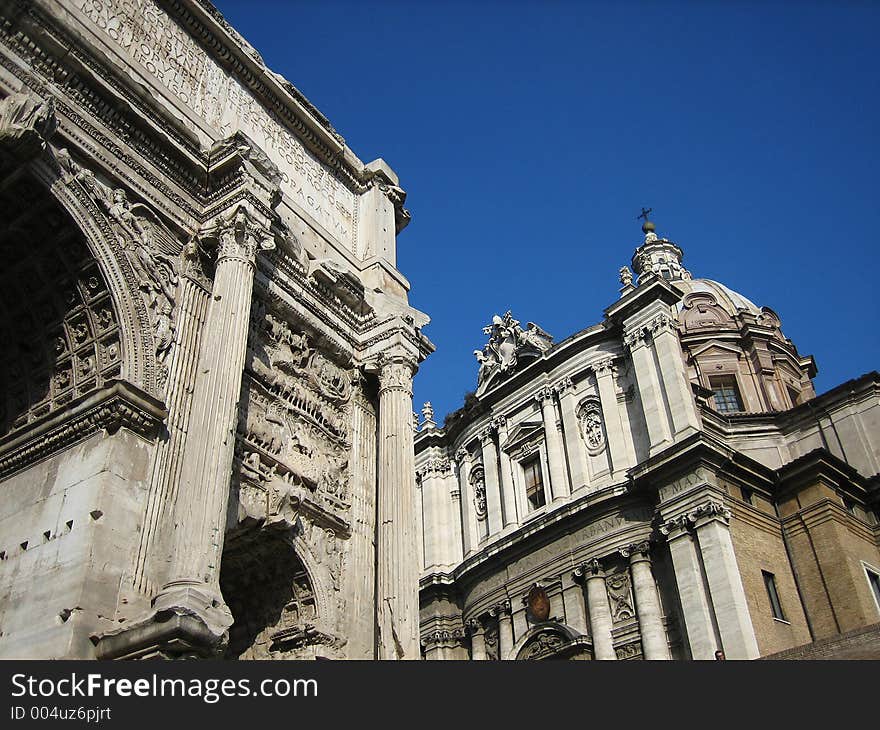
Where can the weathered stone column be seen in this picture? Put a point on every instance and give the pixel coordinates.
(555, 454)
(192, 587)
(454, 547)
(711, 522)
(597, 605)
(508, 493)
(493, 488)
(470, 533)
(650, 388)
(398, 543)
(617, 439)
(696, 612)
(505, 628)
(478, 639)
(577, 458)
(650, 618)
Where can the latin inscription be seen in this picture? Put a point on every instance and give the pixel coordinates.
(147, 36)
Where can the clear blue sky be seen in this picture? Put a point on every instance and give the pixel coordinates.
(529, 134)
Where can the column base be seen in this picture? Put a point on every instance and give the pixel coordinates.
(188, 621)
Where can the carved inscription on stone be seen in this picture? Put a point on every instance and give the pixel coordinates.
(148, 37)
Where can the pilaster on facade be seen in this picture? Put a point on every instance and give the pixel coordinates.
(508, 485)
(655, 644)
(559, 488)
(494, 512)
(577, 461)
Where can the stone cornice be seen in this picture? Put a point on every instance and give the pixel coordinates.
(118, 404)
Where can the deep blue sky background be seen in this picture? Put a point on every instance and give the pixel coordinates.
(529, 134)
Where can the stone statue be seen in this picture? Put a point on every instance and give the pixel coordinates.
(508, 342)
(26, 124)
(625, 276)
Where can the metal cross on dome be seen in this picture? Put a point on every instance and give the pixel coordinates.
(644, 214)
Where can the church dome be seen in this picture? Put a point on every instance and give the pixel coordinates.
(732, 302)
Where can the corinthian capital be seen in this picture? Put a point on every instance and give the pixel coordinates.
(237, 234)
(710, 511)
(604, 366)
(396, 373)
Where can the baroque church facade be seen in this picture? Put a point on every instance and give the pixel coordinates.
(665, 484)
(206, 443)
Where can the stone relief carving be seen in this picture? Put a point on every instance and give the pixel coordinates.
(493, 652)
(592, 429)
(478, 483)
(153, 253)
(508, 343)
(543, 644)
(620, 597)
(26, 124)
(633, 650)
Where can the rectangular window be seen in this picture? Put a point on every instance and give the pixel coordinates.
(747, 495)
(726, 394)
(775, 605)
(534, 482)
(874, 580)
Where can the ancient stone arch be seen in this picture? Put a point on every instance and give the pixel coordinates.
(67, 313)
(138, 348)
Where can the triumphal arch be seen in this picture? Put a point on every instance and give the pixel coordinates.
(206, 405)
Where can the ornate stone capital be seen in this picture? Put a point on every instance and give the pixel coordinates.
(499, 422)
(443, 638)
(591, 568)
(474, 626)
(237, 235)
(566, 385)
(461, 455)
(637, 551)
(604, 366)
(545, 395)
(485, 434)
(437, 465)
(674, 527)
(711, 510)
(502, 608)
(396, 374)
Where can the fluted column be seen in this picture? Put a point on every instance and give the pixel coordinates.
(618, 440)
(648, 612)
(597, 605)
(577, 458)
(478, 639)
(555, 454)
(470, 531)
(508, 493)
(398, 543)
(695, 608)
(493, 487)
(193, 585)
(711, 524)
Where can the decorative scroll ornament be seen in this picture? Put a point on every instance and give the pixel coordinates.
(443, 638)
(620, 597)
(26, 124)
(592, 430)
(710, 510)
(588, 569)
(478, 483)
(508, 345)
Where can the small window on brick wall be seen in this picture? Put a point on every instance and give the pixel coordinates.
(726, 394)
(773, 595)
(534, 482)
(874, 581)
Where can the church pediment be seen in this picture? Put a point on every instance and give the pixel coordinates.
(715, 350)
(524, 433)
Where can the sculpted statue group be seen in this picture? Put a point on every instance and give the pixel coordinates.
(508, 343)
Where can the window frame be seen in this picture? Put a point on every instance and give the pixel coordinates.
(776, 609)
(736, 390)
(874, 588)
(533, 464)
